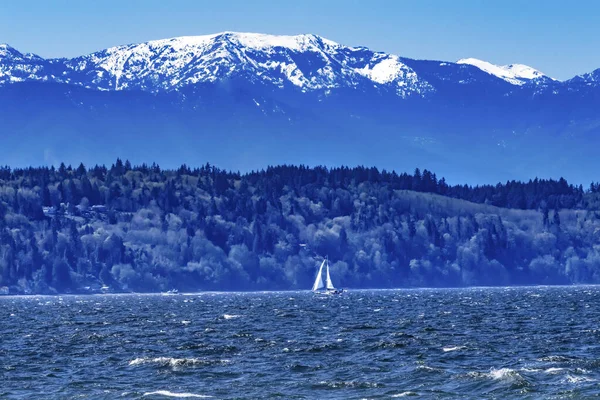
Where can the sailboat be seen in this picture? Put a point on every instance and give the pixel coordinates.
(327, 287)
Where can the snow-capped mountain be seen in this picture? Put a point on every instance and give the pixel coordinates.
(308, 62)
(591, 79)
(245, 100)
(18, 67)
(516, 74)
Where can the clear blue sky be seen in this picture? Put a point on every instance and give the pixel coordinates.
(560, 38)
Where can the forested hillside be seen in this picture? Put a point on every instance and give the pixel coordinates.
(71, 230)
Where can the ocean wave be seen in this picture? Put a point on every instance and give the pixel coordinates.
(167, 393)
(316, 348)
(303, 368)
(349, 384)
(578, 379)
(404, 394)
(453, 348)
(230, 316)
(384, 344)
(359, 327)
(402, 335)
(502, 374)
(94, 337)
(175, 362)
(427, 368)
(285, 315)
(241, 335)
(555, 359)
(530, 370)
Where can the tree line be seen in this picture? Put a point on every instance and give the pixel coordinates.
(144, 228)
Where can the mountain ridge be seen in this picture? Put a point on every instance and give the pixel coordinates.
(193, 59)
(244, 100)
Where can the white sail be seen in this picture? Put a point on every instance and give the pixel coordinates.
(319, 280)
(329, 284)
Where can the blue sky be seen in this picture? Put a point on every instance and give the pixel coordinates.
(560, 38)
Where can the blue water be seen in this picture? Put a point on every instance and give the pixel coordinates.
(461, 343)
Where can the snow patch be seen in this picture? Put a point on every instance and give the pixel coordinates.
(516, 74)
(385, 71)
(261, 41)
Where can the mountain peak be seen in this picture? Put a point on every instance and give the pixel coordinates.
(591, 79)
(308, 62)
(6, 50)
(264, 41)
(516, 74)
(257, 41)
(9, 52)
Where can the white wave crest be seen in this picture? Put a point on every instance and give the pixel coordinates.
(504, 374)
(230, 316)
(578, 379)
(350, 384)
(179, 395)
(453, 348)
(554, 359)
(582, 371)
(175, 362)
(427, 368)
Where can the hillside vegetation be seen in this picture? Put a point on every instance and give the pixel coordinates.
(70, 230)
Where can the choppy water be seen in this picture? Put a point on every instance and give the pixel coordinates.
(472, 343)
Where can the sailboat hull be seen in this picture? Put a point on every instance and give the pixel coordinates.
(330, 292)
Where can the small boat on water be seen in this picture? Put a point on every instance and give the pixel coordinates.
(325, 287)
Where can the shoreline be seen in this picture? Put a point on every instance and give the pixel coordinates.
(301, 291)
